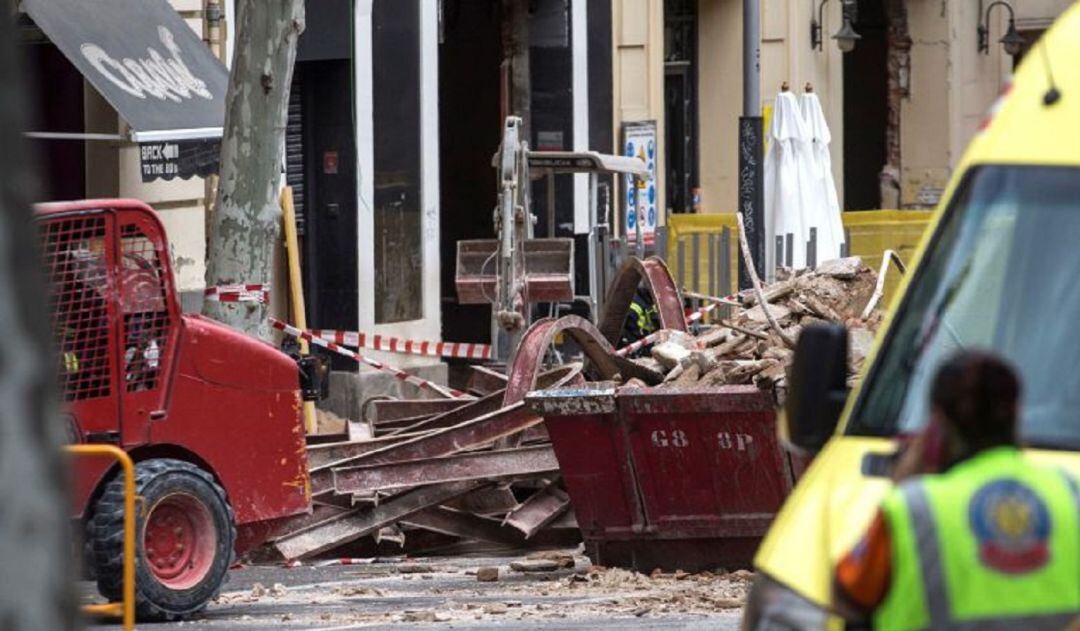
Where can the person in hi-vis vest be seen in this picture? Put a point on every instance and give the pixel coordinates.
(975, 535)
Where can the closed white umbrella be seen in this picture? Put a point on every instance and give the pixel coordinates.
(824, 212)
(788, 181)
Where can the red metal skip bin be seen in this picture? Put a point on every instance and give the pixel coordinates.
(675, 479)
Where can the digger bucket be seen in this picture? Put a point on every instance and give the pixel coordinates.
(549, 270)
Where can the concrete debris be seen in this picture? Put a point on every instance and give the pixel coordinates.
(744, 348)
(562, 559)
(670, 354)
(534, 565)
(845, 268)
(487, 574)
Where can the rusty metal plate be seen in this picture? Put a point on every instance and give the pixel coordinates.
(542, 508)
(523, 461)
(529, 357)
(594, 398)
(595, 465)
(708, 464)
(467, 435)
(330, 534)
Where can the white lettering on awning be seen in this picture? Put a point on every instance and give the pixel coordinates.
(154, 75)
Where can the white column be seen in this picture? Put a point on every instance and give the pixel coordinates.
(429, 166)
(579, 41)
(365, 163)
(230, 30)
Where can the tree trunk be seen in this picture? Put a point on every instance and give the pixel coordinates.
(247, 215)
(35, 546)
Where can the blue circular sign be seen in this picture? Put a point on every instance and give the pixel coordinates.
(631, 219)
(630, 149)
(652, 194)
(1011, 524)
(652, 149)
(652, 215)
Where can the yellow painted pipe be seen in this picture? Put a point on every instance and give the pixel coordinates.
(296, 288)
(126, 608)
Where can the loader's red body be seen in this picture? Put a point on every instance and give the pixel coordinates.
(136, 372)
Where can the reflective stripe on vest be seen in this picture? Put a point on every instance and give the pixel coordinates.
(1013, 534)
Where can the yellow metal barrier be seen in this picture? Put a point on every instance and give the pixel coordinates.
(126, 608)
(870, 234)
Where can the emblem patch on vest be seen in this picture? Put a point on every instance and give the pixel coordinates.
(1012, 526)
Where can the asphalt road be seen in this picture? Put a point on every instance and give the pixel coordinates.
(445, 593)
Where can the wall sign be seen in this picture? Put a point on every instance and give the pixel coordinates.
(183, 159)
(639, 196)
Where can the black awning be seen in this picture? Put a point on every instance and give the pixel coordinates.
(144, 60)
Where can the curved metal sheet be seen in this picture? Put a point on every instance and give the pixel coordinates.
(529, 359)
(654, 273)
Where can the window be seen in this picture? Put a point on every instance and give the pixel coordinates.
(398, 230)
(998, 277)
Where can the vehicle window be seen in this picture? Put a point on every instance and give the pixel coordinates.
(1000, 275)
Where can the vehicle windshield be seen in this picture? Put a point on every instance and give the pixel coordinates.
(1001, 274)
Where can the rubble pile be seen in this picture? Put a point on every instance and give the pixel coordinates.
(447, 475)
(747, 348)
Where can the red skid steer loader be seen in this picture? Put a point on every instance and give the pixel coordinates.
(210, 416)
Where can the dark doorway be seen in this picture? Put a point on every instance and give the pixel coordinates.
(321, 168)
(680, 102)
(865, 108)
(469, 127)
(329, 194)
(57, 106)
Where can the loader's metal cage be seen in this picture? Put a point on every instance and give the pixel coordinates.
(77, 259)
(113, 311)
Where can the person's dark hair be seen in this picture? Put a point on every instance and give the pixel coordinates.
(979, 395)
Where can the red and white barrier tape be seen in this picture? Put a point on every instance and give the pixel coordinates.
(424, 384)
(638, 345)
(403, 346)
(700, 313)
(239, 293)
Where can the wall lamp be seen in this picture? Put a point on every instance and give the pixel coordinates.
(1012, 41)
(846, 37)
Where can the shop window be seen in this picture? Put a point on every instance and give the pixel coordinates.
(398, 217)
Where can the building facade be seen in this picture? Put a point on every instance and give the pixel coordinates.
(901, 106)
(396, 110)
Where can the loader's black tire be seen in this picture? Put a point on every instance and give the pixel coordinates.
(185, 513)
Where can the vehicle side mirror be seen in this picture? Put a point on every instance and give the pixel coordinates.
(818, 387)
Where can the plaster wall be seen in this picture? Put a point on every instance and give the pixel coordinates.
(638, 73)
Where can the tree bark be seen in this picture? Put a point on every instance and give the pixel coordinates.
(247, 215)
(35, 545)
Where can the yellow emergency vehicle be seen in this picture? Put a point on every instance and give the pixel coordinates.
(997, 269)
